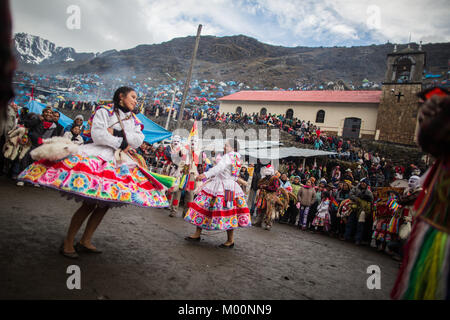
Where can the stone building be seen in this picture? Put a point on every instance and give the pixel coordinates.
(386, 115)
(397, 113)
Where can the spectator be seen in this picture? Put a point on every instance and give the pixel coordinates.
(74, 135)
(59, 128)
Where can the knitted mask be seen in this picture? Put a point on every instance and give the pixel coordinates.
(414, 182)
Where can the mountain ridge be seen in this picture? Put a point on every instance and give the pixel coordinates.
(239, 58)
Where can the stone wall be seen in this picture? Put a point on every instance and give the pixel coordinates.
(399, 154)
(397, 119)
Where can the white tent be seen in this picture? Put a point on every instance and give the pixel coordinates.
(280, 153)
(217, 145)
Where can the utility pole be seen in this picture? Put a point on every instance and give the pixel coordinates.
(188, 80)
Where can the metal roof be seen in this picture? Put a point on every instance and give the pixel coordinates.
(306, 96)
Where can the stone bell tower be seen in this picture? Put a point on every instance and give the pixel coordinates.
(397, 113)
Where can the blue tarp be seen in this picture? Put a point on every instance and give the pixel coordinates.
(153, 132)
(36, 107)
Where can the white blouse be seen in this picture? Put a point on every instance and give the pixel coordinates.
(105, 144)
(220, 177)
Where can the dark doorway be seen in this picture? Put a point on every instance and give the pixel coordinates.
(263, 112)
(289, 114)
(238, 110)
(352, 127)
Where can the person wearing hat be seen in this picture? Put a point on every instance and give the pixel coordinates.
(357, 218)
(348, 175)
(78, 121)
(174, 193)
(270, 183)
(342, 194)
(336, 174)
(306, 197)
(359, 173)
(220, 204)
(294, 209)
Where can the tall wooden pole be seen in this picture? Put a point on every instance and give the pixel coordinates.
(188, 80)
(170, 110)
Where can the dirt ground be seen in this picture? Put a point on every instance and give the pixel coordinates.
(145, 256)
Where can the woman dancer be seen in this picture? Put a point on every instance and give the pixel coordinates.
(99, 174)
(221, 203)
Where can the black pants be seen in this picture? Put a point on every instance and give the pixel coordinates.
(291, 211)
(312, 214)
(334, 221)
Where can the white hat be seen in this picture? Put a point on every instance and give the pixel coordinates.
(79, 117)
(176, 138)
(267, 171)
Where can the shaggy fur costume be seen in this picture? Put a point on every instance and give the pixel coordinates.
(13, 148)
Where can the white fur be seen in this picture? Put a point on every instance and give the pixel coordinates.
(12, 147)
(54, 149)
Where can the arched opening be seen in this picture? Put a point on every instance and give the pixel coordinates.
(238, 110)
(403, 70)
(320, 117)
(289, 114)
(263, 112)
(352, 127)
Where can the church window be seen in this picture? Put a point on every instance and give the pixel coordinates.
(320, 117)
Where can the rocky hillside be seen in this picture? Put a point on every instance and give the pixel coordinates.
(237, 58)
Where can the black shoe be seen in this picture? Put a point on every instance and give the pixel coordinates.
(223, 246)
(70, 255)
(80, 248)
(192, 239)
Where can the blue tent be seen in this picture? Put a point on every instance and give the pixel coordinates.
(36, 107)
(153, 132)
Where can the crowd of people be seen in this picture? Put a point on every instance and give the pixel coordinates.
(335, 204)
(380, 170)
(25, 131)
(342, 202)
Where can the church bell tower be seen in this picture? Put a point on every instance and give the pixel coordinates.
(397, 113)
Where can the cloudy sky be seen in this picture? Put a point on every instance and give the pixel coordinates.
(120, 24)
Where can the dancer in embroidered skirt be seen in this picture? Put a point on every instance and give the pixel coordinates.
(101, 174)
(221, 204)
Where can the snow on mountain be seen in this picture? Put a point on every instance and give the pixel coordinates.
(34, 50)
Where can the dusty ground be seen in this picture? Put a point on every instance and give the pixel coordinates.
(146, 257)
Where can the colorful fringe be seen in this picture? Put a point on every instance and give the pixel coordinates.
(426, 264)
(167, 181)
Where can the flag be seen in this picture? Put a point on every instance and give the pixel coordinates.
(193, 136)
(194, 131)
